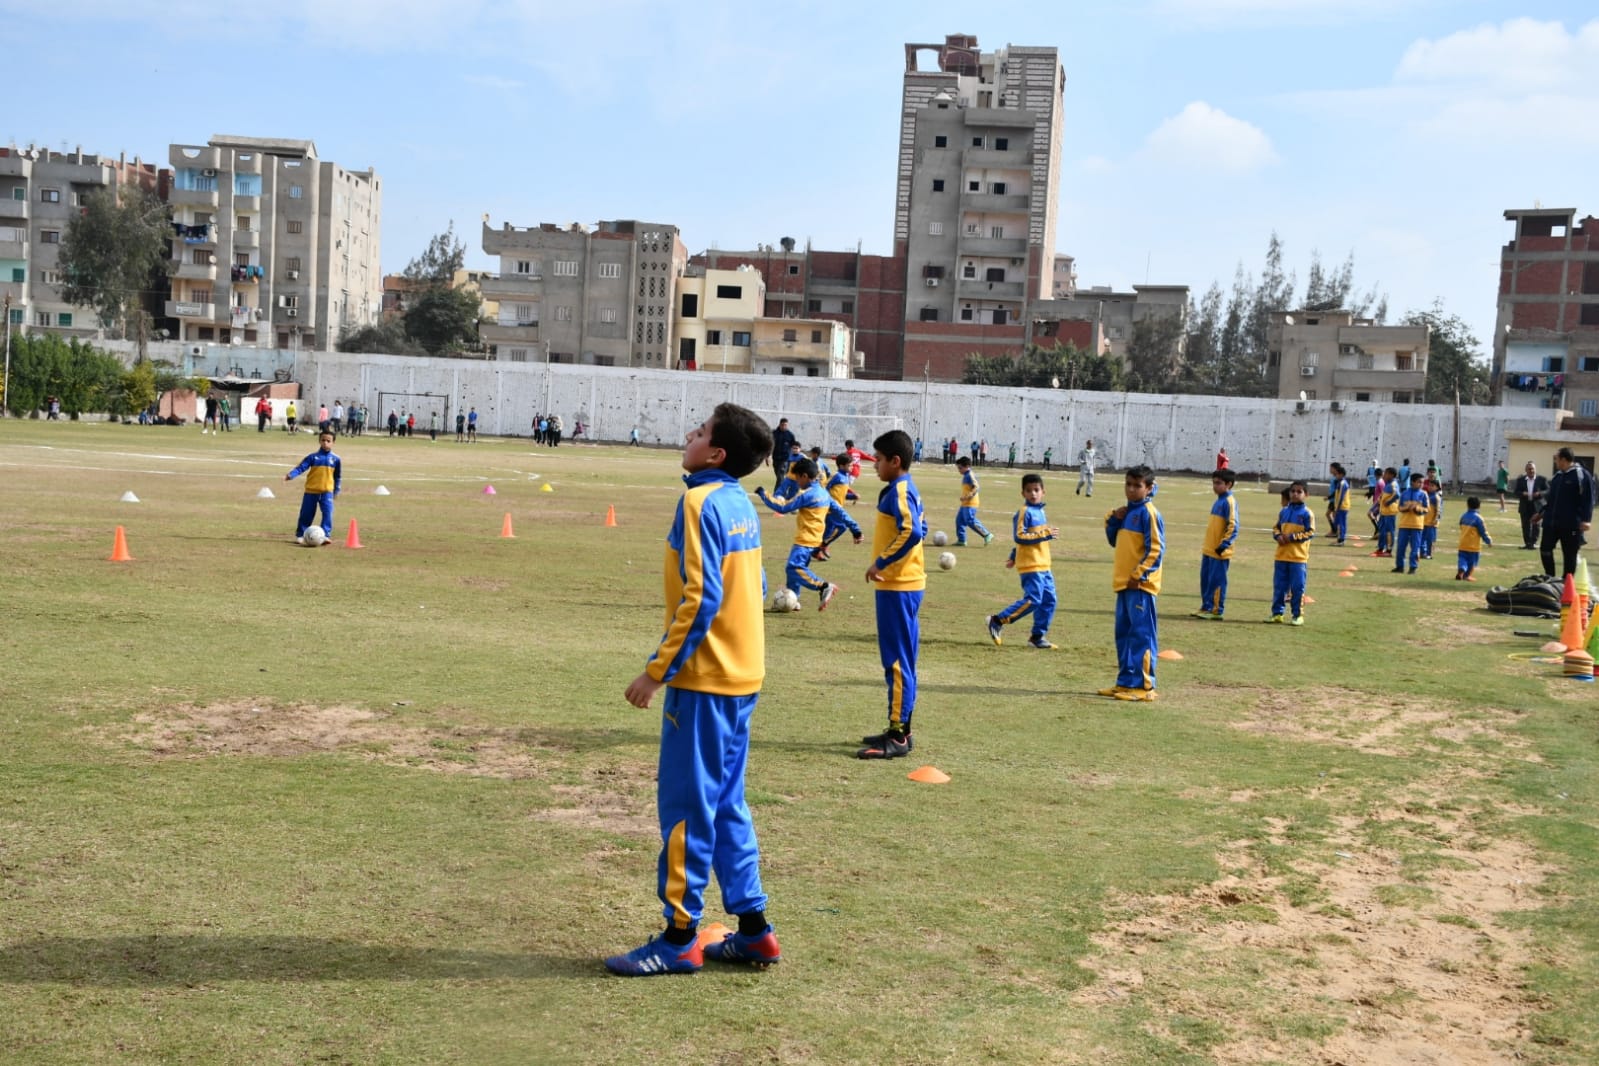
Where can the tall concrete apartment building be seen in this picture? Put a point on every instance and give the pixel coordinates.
(40, 193)
(570, 294)
(974, 216)
(271, 244)
(1546, 336)
(1332, 355)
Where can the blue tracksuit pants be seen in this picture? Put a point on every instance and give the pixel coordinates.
(1288, 587)
(798, 571)
(966, 518)
(1137, 642)
(1407, 549)
(1213, 584)
(898, 635)
(1340, 525)
(1038, 599)
(705, 822)
(309, 504)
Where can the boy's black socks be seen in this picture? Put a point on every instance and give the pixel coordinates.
(680, 937)
(752, 924)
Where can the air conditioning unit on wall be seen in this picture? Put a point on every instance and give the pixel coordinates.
(292, 312)
(1307, 371)
(208, 172)
(932, 283)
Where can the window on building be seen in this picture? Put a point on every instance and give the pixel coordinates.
(969, 270)
(516, 355)
(791, 334)
(1001, 316)
(788, 370)
(607, 314)
(204, 257)
(1589, 362)
(966, 313)
(610, 270)
(938, 184)
(563, 313)
(793, 268)
(527, 314)
(847, 307)
(1588, 408)
(605, 360)
(291, 263)
(64, 319)
(741, 339)
(940, 141)
(994, 274)
(973, 229)
(296, 192)
(523, 266)
(685, 349)
(19, 275)
(1554, 364)
(713, 336)
(997, 188)
(242, 222)
(50, 196)
(691, 305)
(812, 372)
(933, 270)
(977, 142)
(1588, 315)
(730, 292)
(566, 268)
(1362, 397)
(50, 277)
(935, 229)
(41, 318)
(1404, 361)
(997, 232)
(296, 226)
(813, 305)
(49, 236)
(19, 193)
(1365, 361)
(1273, 358)
(1308, 358)
(816, 336)
(18, 316)
(1001, 144)
(929, 314)
(974, 186)
(290, 301)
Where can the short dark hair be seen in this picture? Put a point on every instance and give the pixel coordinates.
(1472, 503)
(963, 461)
(1337, 468)
(1390, 472)
(895, 444)
(1141, 472)
(849, 443)
(843, 459)
(1032, 479)
(1567, 454)
(1416, 477)
(1224, 475)
(801, 467)
(742, 435)
(816, 449)
(1300, 485)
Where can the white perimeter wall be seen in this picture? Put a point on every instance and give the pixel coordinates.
(1170, 433)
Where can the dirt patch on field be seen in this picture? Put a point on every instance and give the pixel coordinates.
(1345, 959)
(618, 798)
(1385, 725)
(267, 729)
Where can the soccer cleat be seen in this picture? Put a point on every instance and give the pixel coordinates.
(1298, 620)
(820, 555)
(880, 738)
(827, 596)
(1275, 619)
(758, 951)
(1203, 615)
(1111, 691)
(1137, 695)
(892, 747)
(1380, 554)
(1041, 642)
(658, 957)
(995, 628)
(988, 538)
(1397, 570)
(299, 540)
(1412, 569)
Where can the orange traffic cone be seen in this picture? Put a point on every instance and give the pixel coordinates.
(610, 515)
(929, 775)
(354, 538)
(505, 527)
(119, 548)
(1571, 631)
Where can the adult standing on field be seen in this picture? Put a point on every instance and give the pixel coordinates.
(1502, 484)
(782, 443)
(1567, 513)
(1086, 458)
(1530, 489)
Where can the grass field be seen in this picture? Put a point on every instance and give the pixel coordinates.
(270, 804)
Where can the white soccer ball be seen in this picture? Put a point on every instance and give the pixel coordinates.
(315, 536)
(785, 601)
(940, 538)
(946, 561)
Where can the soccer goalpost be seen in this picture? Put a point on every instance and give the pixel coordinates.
(421, 404)
(830, 431)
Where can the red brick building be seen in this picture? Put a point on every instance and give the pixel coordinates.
(1546, 337)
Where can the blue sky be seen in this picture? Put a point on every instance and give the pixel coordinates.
(1396, 130)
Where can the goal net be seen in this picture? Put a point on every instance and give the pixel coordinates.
(830, 431)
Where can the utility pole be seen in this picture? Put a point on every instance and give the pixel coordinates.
(5, 386)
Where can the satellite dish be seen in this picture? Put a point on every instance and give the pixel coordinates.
(1301, 395)
(1054, 383)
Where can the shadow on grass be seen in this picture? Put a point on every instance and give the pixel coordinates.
(193, 960)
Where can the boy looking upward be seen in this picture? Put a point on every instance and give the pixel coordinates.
(712, 660)
(1215, 556)
(898, 574)
(1030, 559)
(1294, 529)
(966, 514)
(810, 505)
(1138, 534)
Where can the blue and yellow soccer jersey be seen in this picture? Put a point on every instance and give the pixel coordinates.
(1388, 502)
(838, 487)
(1435, 508)
(1413, 505)
(1222, 529)
(1338, 494)
(1139, 538)
(325, 472)
(897, 537)
(1473, 534)
(1031, 530)
(969, 490)
(715, 639)
(811, 506)
(1299, 525)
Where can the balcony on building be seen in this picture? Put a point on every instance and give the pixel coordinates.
(246, 238)
(13, 210)
(980, 289)
(1014, 203)
(1364, 380)
(183, 233)
(994, 158)
(189, 309)
(1007, 117)
(13, 164)
(196, 271)
(520, 335)
(1013, 247)
(510, 286)
(794, 351)
(13, 242)
(246, 275)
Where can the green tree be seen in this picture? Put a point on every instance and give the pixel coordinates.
(1456, 364)
(79, 375)
(1062, 366)
(385, 337)
(444, 255)
(1155, 353)
(443, 320)
(114, 253)
(138, 387)
(1202, 367)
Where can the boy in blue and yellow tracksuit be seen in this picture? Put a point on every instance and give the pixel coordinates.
(1293, 532)
(712, 660)
(810, 506)
(1216, 554)
(1435, 515)
(1413, 507)
(1031, 559)
(1138, 534)
(323, 472)
(1473, 535)
(966, 514)
(1387, 513)
(899, 577)
(838, 519)
(1338, 502)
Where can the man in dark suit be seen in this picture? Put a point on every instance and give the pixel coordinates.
(1567, 513)
(1530, 489)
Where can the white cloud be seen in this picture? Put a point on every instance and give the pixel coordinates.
(1519, 56)
(1201, 137)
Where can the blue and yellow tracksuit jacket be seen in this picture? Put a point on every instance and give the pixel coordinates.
(1221, 531)
(897, 537)
(1031, 531)
(1338, 495)
(1140, 542)
(1473, 533)
(322, 470)
(812, 506)
(1299, 525)
(1412, 508)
